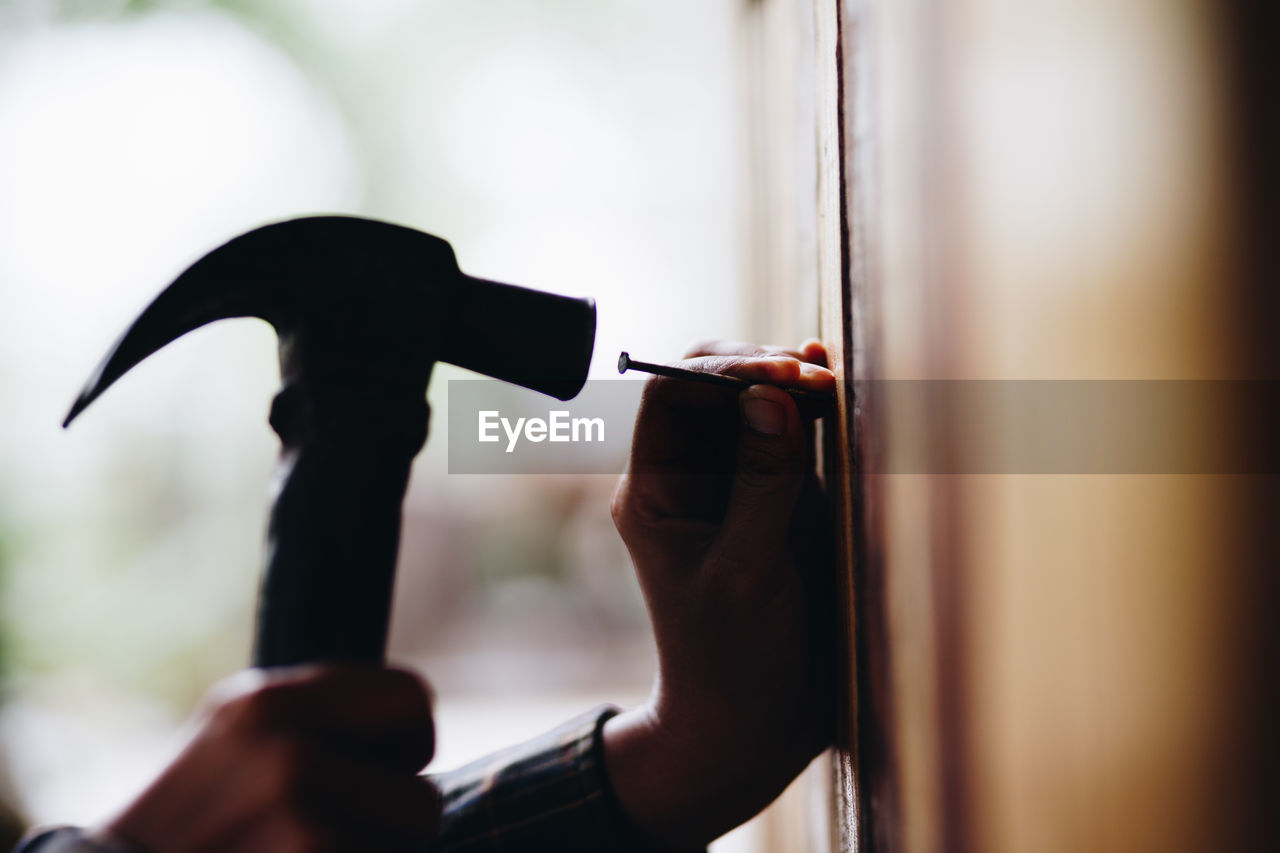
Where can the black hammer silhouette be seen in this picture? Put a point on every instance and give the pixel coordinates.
(363, 310)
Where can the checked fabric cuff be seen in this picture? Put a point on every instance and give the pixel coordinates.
(550, 793)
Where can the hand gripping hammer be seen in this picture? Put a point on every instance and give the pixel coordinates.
(363, 310)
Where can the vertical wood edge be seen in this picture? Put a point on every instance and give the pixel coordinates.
(837, 331)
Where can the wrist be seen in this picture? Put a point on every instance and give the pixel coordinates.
(652, 785)
(683, 784)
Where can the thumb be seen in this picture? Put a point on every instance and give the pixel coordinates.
(767, 480)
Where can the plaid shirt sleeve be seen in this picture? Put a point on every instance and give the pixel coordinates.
(550, 793)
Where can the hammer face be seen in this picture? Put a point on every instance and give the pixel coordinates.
(538, 340)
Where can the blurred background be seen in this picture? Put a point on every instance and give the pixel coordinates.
(980, 189)
(588, 147)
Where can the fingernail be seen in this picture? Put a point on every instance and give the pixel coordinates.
(764, 416)
(808, 370)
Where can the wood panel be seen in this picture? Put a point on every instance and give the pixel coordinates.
(1036, 191)
(1020, 192)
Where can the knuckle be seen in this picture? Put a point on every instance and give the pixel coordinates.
(754, 477)
(306, 837)
(718, 363)
(243, 714)
(260, 708)
(768, 468)
(412, 687)
(620, 504)
(230, 714)
(416, 727)
(284, 768)
(637, 520)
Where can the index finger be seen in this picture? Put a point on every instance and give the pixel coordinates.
(682, 422)
(676, 413)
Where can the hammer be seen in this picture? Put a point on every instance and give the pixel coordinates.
(363, 310)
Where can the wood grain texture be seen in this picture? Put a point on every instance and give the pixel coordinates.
(1057, 190)
(1016, 192)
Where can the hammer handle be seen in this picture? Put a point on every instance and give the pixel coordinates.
(333, 536)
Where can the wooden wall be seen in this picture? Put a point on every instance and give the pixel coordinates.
(1013, 191)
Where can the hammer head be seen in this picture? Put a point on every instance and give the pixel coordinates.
(356, 302)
